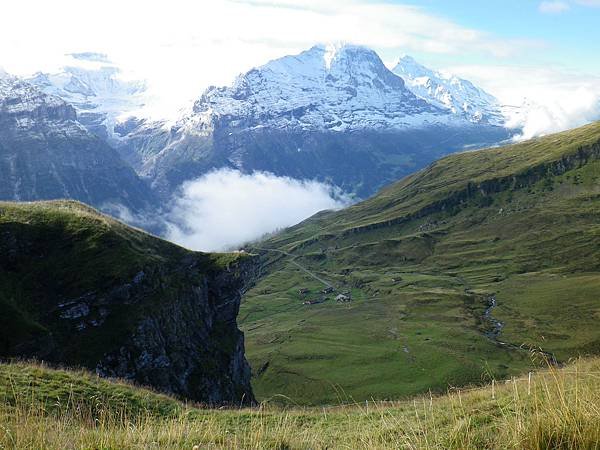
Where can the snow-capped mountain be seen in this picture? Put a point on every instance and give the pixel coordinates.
(338, 88)
(21, 104)
(97, 90)
(332, 113)
(46, 153)
(449, 92)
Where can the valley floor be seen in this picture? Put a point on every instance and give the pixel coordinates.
(555, 408)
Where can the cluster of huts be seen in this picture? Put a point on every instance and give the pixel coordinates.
(340, 298)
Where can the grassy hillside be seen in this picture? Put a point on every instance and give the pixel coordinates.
(42, 408)
(456, 273)
(57, 391)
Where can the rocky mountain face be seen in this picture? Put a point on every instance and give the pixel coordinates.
(81, 289)
(449, 92)
(95, 87)
(325, 88)
(46, 153)
(335, 114)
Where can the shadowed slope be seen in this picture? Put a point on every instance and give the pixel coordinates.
(80, 288)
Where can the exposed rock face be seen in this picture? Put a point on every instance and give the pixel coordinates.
(45, 153)
(359, 162)
(125, 304)
(189, 344)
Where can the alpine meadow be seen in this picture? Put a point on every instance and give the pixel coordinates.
(248, 224)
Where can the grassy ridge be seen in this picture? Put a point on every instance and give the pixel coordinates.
(423, 259)
(43, 408)
(57, 251)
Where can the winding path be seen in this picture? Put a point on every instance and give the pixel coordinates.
(297, 264)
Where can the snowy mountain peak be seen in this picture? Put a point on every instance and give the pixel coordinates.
(97, 90)
(409, 67)
(343, 53)
(333, 87)
(328, 56)
(343, 60)
(25, 106)
(333, 59)
(331, 51)
(449, 92)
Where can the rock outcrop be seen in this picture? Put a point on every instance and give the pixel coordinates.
(189, 343)
(80, 289)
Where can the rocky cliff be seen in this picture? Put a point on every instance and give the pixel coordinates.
(79, 288)
(46, 153)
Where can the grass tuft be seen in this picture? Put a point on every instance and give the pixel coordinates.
(552, 408)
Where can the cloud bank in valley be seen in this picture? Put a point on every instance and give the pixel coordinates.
(225, 208)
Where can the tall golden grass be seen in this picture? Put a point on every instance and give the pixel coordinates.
(557, 408)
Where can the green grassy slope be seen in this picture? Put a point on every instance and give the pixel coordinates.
(45, 408)
(423, 259)
(57, 391)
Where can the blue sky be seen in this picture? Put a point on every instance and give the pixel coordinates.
(568, 38)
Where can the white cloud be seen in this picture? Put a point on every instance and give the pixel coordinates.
(182, 46)
(553, 7)
(543, 100)
(570, 110)
(592, 3)
(224, 209)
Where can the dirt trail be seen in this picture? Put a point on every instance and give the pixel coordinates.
(297, 264)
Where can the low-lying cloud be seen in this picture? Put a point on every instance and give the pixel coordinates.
(571, 110)
(539, 100)
(225, 208)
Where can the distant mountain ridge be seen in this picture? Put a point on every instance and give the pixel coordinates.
(449, 92)
(46, 153)
(332, 113)
(336, 88)
(96, 89)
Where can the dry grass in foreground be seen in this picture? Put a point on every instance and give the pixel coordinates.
(556, 408)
